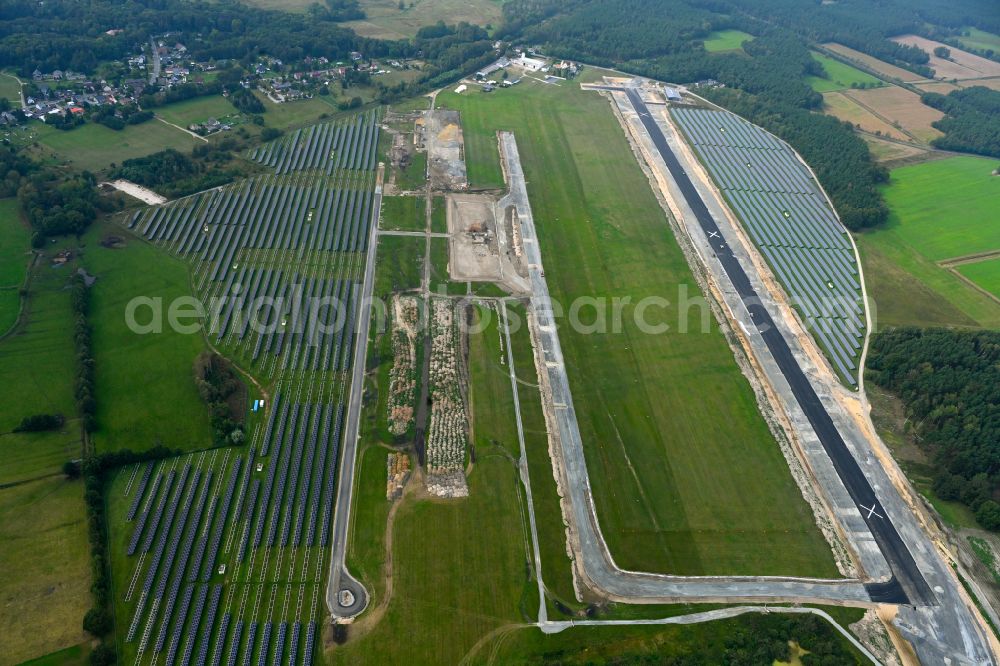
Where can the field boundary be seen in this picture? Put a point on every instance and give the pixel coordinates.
(24, 292)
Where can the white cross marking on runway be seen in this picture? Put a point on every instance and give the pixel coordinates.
(871, 510)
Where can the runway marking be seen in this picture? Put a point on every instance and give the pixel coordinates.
(871, 510)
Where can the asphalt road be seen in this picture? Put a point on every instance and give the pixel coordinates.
(907, 584)
(340, 578)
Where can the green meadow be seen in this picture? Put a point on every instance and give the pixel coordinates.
(726, 40)
(645, 402)
(939, 210)
(838, 75)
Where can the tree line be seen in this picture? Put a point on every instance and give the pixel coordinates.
(98, 620)
(225, 394)
(83, 388)
(949, 383)
(972, 120)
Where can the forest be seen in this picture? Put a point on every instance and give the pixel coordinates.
(949, 383)
(764, 83)
(971, 122)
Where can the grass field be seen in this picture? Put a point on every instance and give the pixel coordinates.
(939, 210)
(403, 214)
(385, 20)
(946, 208)
(295, 114)
(556, 565)
(146, 392)
(645, 402)
(10, 88)
(45, 554)
(15, 254)
(37, 360)
(839, 75)
(986, 274)
(439, 219)
(43, 540)
(404, 258)
(414, 176)
(980, 39)
(196, 110)
(94, 147)
(726, 40)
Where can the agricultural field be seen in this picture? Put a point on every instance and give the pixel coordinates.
(839, 105)
(15, 254)
(874, 64)
(403, 214)
(789, 219)
(839, 75)
(726, 40)
(940, 210)
(961, 65)
(986, 274)
(385, 20)
(43, 529)
(197, 110)
(605, 234)
(901, 108)
(94, 147)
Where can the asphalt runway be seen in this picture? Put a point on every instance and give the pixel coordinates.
(907, 584)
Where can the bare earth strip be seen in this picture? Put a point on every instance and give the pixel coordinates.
(141, 193)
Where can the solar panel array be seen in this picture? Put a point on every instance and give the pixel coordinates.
(227, 549)
(265, 244)
(791, 222)
(328, 147)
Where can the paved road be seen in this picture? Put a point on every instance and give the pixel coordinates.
(908, 583)
(596, 560)
(342, 584)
